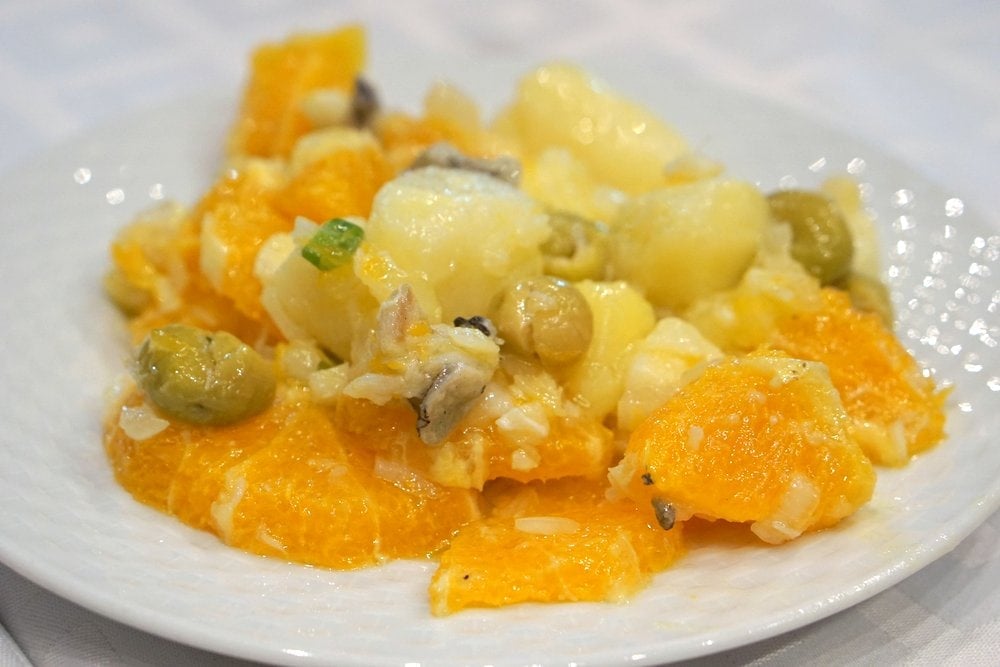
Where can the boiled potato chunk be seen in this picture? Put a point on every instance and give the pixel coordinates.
(622, 143)
(622, 318)
(775, 287)
(682, 243)
(562, 182)
(331, 308)
(466, 235)
(660, 367)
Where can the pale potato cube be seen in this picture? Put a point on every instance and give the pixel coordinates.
(621, 142)
(332, 308)
(774, 287)
(622, 318)
(660, 366)
(466, 235)
(682, 243)
(561, 181)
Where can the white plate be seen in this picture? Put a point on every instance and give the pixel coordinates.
(66, 525)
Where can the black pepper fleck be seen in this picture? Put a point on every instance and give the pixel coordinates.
(479, 323)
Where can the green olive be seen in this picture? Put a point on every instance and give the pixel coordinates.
(870, 295)
(548, 317)
(577, 248)
(821, 240)
(202, 377)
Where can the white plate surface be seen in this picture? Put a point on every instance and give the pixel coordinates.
(66, 525)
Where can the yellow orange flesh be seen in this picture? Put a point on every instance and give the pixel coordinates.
(760, 439)
(556, 541)
(287, 483)
(271, 119)
(471, 457)
(896, 410)
(337, 185)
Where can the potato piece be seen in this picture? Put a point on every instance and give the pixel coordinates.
(467, 235)
(741, 319)
(775, 287)
(560, 180)
(330, 307)
(622, 143)
(622, 318)
(658, 369)
(682, 243)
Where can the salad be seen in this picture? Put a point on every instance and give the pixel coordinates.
(535, 349)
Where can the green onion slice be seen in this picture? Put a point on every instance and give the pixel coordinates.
(333, 244)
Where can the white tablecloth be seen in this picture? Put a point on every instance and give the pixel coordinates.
(920, 80)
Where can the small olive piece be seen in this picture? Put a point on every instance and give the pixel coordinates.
(821, 240)
(870, 295)
(202, 377)
(577, 248)
(548, 317)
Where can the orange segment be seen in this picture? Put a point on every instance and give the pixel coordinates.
(208, 456)
(156, 255)
(236, 217)
(475, 454)
(144, 468)
(298, 499)
(341, 184)
(896, 411)
(159, 255)
(204, 308)
(557, 541)
(271, 119)
(286, 483)
(760, 439)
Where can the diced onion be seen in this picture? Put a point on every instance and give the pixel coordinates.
(140, 422)
(546, 525)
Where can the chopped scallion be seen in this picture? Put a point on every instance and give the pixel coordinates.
(333, 244)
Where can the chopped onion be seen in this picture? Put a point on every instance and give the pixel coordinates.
(546, 525)
(140, 422)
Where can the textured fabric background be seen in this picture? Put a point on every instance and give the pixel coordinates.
(920, 80)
